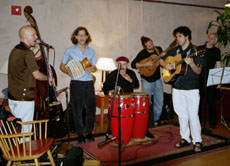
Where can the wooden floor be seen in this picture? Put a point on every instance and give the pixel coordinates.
(216, 159)
(221, 158)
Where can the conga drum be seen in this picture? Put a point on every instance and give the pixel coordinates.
(141, 118)
(126, 117)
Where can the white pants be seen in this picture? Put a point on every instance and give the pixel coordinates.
(186, 105)
(23, 110)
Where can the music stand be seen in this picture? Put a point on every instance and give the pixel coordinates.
(219, 76)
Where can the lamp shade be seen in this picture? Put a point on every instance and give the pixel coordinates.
(4, 68)
(105, 64)
(227, 4)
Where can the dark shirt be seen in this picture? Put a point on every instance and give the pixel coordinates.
(212, 55)
(125, 85)
(190, 80)
(21, 82)
(145, 54)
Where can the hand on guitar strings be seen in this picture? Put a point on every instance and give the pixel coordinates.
(169, 67)
(189, 61)
(149, 63)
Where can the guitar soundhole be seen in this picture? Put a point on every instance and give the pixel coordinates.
(172, 71)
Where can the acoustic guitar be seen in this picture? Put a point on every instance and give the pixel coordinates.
(179, 67)
(150, 70)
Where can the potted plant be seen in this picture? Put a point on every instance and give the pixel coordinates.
(222, 25)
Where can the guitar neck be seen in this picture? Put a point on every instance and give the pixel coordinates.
(161, 55)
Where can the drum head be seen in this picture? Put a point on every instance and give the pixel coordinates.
(139, 94)
(122, 96)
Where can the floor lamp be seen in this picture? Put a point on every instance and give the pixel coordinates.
(227, 4)
(105, 65)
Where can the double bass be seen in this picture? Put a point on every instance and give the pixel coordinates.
(46, 104)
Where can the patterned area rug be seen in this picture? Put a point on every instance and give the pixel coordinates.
(148, 151)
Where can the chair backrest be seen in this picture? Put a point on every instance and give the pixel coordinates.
(25, 146)
(13, 144)
(39, 128)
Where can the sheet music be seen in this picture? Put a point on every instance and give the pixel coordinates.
(214, 76)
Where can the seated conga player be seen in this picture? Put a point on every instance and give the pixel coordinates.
(127, 78)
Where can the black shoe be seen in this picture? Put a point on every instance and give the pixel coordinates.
(90, 137)
(149, 135)
(81, 139)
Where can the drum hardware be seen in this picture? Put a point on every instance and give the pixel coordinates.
(126, 106)
(100, 145)
(129, 116)
(142, 112)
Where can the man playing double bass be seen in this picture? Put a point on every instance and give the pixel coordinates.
(22, 75)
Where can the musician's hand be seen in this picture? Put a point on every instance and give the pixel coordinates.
(69, 72)
(52, 81)
(90, 69)
(163, 53)
(111, 92)
(127, 77)
(149, 63)
(189, 61)
(169, 67)
(218, 86)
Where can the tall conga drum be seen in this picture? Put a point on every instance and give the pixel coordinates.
(126, 117)
(141, 118)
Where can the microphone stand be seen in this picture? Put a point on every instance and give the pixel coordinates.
(48, 74)
(205, 129)
(116, 89)
(119, 128)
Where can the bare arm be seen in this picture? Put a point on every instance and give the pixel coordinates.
(42, 77)
(39, 76)
(64, 70)
(194, 67)
(218, 64)
(139, 65)
(164, 65)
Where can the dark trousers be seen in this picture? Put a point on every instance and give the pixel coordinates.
(210, 95)
(82, 97)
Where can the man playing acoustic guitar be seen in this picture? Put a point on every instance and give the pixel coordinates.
(151, 82)
(185, 92)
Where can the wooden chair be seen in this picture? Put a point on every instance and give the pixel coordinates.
(15, 147)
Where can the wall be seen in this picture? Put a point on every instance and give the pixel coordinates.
(115, 25)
